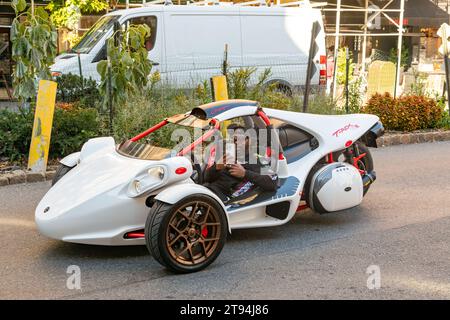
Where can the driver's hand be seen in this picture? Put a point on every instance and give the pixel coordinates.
(237, 170)
(221, 165)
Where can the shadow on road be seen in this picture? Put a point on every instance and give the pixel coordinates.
(73, 250)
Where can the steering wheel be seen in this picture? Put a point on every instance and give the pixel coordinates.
(197, 174)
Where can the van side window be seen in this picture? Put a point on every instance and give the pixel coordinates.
(150, 21)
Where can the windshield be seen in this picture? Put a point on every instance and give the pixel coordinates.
(98, 30)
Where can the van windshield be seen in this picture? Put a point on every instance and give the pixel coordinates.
(98, 30)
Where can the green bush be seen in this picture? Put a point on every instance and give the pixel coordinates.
(71, 128)
(72, 88)
(406, 113)
(15, 134)
(141, 112)
(268, 95)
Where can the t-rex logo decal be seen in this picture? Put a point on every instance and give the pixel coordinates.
(343, 129)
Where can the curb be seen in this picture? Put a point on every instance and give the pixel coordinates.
(393, 139)
(21, 176)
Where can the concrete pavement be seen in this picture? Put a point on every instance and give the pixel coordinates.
(402, 226)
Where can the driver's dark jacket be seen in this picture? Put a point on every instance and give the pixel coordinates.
(222, 183)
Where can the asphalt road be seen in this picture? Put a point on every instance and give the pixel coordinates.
(403, 227)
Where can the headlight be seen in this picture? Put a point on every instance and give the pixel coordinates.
(149, 180)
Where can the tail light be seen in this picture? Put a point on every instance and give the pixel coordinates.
(323, 70)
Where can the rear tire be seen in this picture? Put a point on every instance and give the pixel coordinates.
(186, 236)
(60, 172)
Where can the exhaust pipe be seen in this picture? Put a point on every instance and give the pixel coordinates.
(369, 178)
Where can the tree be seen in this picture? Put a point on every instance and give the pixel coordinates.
(404, 58)
(129, 64)
(33, 40)
(67, 13)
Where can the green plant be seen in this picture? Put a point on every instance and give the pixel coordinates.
(73, 38)
(406, 113)
(67, 13)
(15, 134)
(129, 65)
(203, 92)
(268, 94)
(341, 67)
(72, 88)
(141, 112)
(71, 128)
(238, 82)
(418, 86)
(444, 123)
(355, 94)
(319, 103)
(33, 40)
(393, 56)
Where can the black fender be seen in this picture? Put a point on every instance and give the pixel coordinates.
(370, 137)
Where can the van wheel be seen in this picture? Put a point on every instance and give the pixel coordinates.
(60, 172)
(284, 89)
(280, 86)
(186, 236)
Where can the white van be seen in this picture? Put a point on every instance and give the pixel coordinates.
(187, 42)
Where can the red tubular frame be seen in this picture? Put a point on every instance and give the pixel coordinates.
(201, 139)
(266, 120)
(264, 117)
(208, 134)
(150, 130)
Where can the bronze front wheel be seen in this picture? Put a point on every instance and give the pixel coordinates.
(186, 236)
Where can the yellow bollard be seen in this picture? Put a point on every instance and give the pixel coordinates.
(42, 127)
(219, 88)
(220, 92)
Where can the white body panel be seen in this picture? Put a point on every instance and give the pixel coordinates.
(190, 42)
(71, 160)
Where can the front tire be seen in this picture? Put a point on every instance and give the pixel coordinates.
(186, 236)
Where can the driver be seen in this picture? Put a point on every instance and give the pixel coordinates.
(231, 180)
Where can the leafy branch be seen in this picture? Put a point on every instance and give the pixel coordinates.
(33, 40)
(129, 64)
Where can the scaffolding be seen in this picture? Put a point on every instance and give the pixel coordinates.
(363, 31)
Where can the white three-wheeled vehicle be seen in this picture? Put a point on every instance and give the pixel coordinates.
(137, 193)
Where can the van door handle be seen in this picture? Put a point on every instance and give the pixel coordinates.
(154, 63)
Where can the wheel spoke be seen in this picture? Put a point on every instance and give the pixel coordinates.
(206, 215)
(202, 244)
(191, 254)
(184, 215)
(183, 251)
(176, 229)
(210, 239)
(174, 240)
(194, 210)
